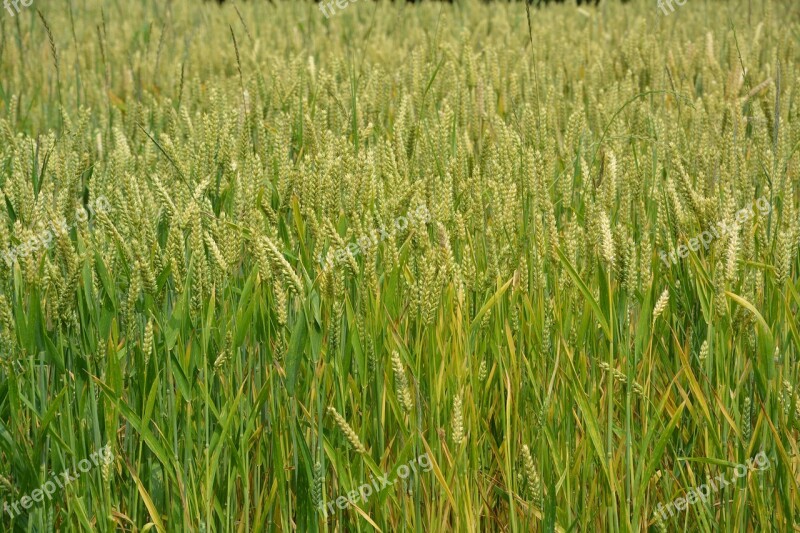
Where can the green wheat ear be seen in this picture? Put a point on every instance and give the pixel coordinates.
(746, 420)
(318, 485)
(533, 482)
(457, 421)
(279, 262)
(661, 304)
(347, 430)
(401, 383)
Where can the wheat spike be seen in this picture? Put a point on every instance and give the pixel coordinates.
(347, 430)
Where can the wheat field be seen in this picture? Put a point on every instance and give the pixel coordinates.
(432, 267)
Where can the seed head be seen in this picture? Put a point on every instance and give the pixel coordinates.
(458, 421)
(661, 304)
(401, 383)
(347, 430)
